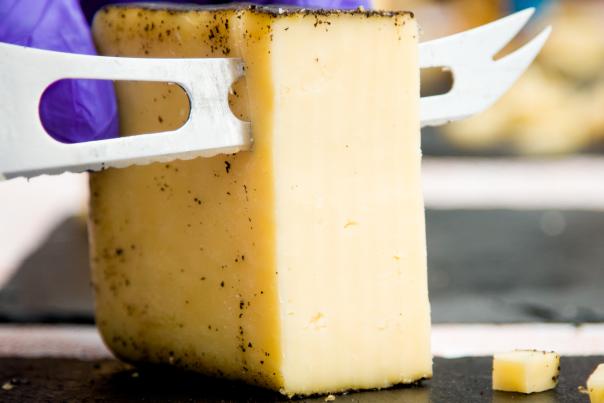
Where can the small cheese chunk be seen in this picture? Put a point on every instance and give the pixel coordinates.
(595, 385)
(526, 371)
(299, 265)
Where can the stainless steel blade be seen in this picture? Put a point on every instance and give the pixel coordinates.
(27, 150)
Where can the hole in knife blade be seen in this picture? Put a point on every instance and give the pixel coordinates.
(238, 99)
(80, 110)
(435, 81)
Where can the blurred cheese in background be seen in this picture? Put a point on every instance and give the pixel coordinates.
(443, 17)
(558, 105)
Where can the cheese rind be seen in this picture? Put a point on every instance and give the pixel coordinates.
(299, 265)
(595, 385)
(526, 371)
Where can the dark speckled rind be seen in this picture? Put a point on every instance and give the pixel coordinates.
(270, 10)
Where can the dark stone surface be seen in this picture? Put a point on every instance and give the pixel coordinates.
(435, 143)
(53, 283)
(463, 380)
(484, 266)
(516, 266)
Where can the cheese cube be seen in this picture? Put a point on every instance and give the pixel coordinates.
(526, 371)
(299, 265)
(595, 385)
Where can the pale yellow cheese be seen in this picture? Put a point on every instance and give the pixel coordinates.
(595, 385)
(526, 371)
(301, 264)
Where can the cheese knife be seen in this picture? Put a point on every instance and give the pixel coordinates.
(26, 150)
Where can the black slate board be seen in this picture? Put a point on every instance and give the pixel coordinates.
(435, 143)
(52, 285)
(503, 266)
(455, 380)
(496, 266)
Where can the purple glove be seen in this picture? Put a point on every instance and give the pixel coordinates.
(85, 110)
(91, 6)
(72, 110)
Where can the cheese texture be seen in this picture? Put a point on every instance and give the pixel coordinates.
(299, 265)
(595, 385)
(526, 371)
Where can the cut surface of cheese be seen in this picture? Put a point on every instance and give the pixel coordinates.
(299, 265)
(526, 371)
(595, 385)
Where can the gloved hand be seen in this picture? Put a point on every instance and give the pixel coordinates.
(76, 110)
(85, 110)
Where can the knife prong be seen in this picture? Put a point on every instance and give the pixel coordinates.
(478, 80)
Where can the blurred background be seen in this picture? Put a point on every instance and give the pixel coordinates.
(514, 196)
(555, 108)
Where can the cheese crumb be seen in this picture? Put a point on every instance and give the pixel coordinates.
(8, 386)
(526, 371)
(350, 223)
(595, 385)
(330, 398)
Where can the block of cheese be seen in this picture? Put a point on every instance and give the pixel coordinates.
(299, 265)
(525, 371)
(595, 385)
